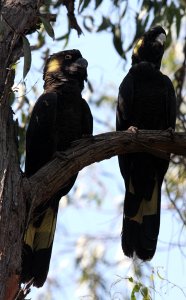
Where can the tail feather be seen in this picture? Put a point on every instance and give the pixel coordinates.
(140, 231)
(130, 230)
(37, 248)
(136, 241)
(149, 230)
(38, 239)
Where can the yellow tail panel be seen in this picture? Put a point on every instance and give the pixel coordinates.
(42, 237)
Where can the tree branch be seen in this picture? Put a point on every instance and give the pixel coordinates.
(49, 179)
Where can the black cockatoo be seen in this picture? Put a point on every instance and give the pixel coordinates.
(59, 117)
(146, 101)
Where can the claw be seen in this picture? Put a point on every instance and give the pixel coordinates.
(132, 129)
(171, 131)
(61, 155)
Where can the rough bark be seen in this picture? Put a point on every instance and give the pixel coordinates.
(10, 199)
(17, 18)
(42, 185)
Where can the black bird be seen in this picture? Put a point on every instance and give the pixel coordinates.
(146, 101)
(59, 117)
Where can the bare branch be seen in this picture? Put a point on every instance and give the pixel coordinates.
(71, 16)
(49, 179)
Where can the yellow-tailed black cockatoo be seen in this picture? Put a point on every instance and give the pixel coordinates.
(59, 117)
(146, 101)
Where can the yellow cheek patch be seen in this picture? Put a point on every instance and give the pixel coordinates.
(137, 46)
(53, 66)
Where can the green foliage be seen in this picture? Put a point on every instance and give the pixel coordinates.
(149, 14)
(144, 292)
(140, 289)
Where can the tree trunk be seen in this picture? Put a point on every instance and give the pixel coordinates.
(17, 17)
(12, 206)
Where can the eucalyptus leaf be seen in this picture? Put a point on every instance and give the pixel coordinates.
(145, 292)
(117, 40)
(83, 4)
(135, 289)
(105, 24)
(48, 27)
(178, 23)
(89, 27)
(98, 2)
(27, 56)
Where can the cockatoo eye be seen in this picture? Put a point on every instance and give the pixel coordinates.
(68, 56)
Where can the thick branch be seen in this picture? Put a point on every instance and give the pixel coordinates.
(56, 173)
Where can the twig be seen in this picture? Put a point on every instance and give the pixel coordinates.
(23, 292)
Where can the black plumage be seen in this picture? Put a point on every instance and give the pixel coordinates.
(147, 101)
(59, 117)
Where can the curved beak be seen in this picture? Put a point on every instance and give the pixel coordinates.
(80, 66)
(161, 38)
(81, 62)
